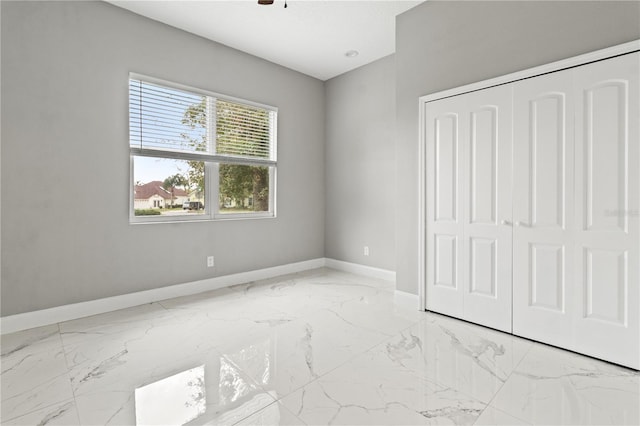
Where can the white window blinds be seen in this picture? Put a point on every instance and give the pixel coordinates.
(159, 118)
(164, 118)
(243, 130)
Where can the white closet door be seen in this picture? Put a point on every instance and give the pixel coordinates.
(444, 205)
(468, 145)
(607, 237)
(543, 155)
(487, 208)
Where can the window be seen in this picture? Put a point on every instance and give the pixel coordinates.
(199, 155)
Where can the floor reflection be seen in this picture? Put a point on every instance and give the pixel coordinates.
(175, 400)
(221, 396)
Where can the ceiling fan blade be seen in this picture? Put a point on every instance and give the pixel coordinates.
(265, 1)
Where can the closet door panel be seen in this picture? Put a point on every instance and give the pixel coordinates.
(446, 167)
(607, 259)
(483, 165)
(543, 208)
(547, 145)
(444, 227)
(547, 285)
(487, 241)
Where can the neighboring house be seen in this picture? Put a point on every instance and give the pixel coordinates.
(196, 196)
(153, 196)
(231, 203)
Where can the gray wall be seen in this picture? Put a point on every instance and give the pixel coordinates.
(440, 45)
(64, 154)
(66, 235)
(360, 165)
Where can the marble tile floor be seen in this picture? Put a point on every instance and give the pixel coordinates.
(316, 348)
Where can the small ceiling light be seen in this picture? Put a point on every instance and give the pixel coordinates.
(351, 54)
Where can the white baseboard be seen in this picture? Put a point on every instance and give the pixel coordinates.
(24, 321)
(18, 322)
(355, 268)
(407, 300)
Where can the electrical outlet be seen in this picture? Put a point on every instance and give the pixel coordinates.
(210, 262)
(366, 250)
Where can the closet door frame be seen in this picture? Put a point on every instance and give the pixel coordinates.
(597, 55)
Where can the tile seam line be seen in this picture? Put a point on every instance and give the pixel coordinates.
(277, 402)
(66, 373)
(255, 412)
(66, 363)
(387, 338)
(381, 341)
(504, 383)
(369, 349)
(471, 397)
(331, 306)
(487, 404)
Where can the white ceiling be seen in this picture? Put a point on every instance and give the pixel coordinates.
(310, 36)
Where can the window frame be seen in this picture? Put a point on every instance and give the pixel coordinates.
(211, 160)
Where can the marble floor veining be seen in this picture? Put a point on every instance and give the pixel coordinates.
(318, 347)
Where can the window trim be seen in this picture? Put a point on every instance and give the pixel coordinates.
(210, 159)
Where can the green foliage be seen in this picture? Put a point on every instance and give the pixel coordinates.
(244, 134)
(196, 116)
(237, 182)
(172, 182)
(147, 212)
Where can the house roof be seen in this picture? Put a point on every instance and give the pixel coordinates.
(148, 190)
